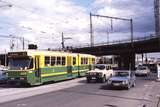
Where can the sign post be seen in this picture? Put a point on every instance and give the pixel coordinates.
(158, 72)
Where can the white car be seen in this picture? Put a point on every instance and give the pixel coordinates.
(101, 73)
(142, 70)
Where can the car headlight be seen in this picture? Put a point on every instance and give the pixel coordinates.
(125, 82)
(100, 74)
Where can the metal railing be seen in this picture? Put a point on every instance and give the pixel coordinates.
(137, 39)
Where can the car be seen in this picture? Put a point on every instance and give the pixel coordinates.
(152, 67)
(142, 70)
(122, 78)
(101, 73)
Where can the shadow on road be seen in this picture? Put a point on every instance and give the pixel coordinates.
(106, 87)
(91, 82)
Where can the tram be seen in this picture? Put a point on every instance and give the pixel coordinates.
(36, 67)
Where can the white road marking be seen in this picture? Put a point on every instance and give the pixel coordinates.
(21, 105)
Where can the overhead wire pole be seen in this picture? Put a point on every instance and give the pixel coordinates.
(131, 24)
(110, 17)
(16, 37)
(63, 40)
(91, 31)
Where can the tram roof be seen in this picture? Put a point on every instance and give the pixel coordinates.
(43, 52)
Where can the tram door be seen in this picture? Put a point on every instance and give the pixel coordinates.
(37, 67)
(69, 66)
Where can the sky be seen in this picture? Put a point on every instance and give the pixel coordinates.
(43, 21)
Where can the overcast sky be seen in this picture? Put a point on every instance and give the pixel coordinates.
(42, 21)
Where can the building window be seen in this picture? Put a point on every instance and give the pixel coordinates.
(63, 61)
(74, 60)
(59, 61)
(47, 61)
(53, 61)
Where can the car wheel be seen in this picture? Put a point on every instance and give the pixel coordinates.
(88, 80)
(134, 84)
(110, 75)
(103, 80)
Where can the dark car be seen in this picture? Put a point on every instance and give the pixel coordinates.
(123, 78)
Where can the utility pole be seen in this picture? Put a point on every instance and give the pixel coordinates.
(131, 24)
(62, 41)
(23, 43)
(91, 31)
(109, 17)
(5, 58)
(157, 16)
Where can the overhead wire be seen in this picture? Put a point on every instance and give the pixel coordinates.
(27, 10)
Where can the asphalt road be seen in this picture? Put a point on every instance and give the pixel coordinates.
(95, 95)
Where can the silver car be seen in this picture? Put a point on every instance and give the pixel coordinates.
(123, 79)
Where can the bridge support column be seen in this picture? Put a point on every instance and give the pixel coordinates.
(127, 61)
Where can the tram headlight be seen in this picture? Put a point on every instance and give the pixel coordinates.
(22, 78)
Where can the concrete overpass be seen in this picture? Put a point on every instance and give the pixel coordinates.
(126, 49)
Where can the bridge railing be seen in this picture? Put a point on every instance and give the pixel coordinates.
(120, 41)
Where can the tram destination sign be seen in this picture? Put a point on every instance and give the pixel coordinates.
(17, 54)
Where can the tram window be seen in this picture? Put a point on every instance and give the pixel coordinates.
(31, 64)
(47, 60)
(82, 60)
(74, 60)
(93, 61)
(53, 61)
(63, 60)
(86, 61)
(58, 60)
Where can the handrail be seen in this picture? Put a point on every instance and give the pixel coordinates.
(119, 41)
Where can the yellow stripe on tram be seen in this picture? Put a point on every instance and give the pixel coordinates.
(60, 73)
(53, 74)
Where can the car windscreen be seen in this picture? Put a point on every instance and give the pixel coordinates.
(101, 67)
(141, 68)
(122, 74)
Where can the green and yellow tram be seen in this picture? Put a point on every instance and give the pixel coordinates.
(35, 67)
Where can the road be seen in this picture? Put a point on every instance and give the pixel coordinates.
(95, 95)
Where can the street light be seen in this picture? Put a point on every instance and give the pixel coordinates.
(7, 5)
